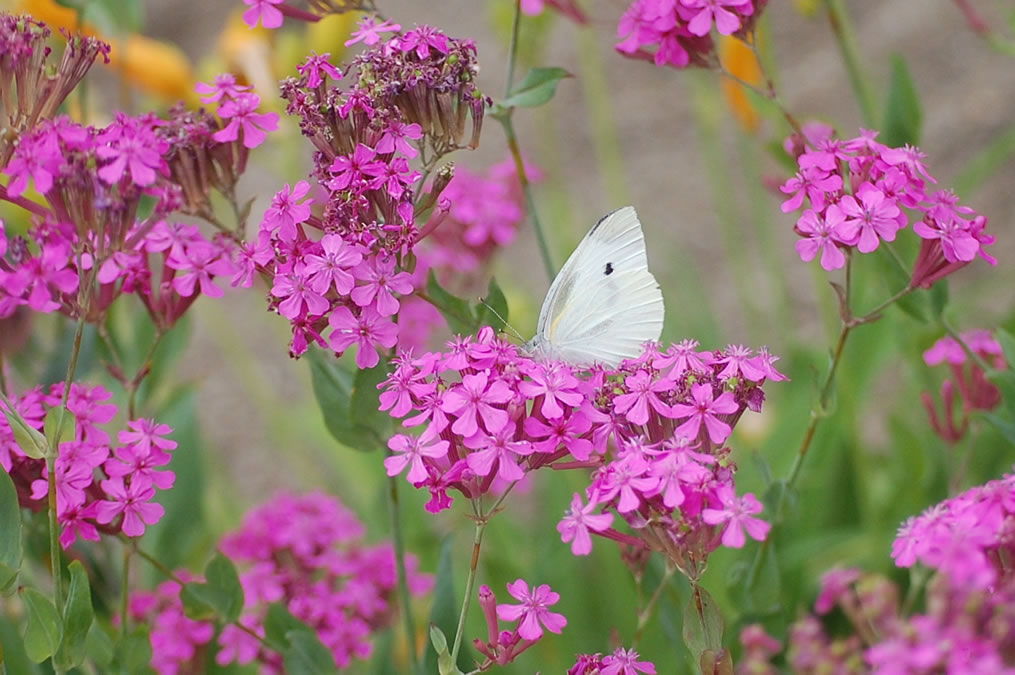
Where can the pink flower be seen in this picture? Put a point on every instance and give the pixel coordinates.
(737, 514)
(813, 183)
(562, 431)
(739, 362)
(369, 31)
(300, 295)
(368, 330)
(957, 243)
(224, 85)
(705, 409)
(349, 170)
(868, 221)
(200, 262)
(556, 385)
(475, 399)
(822, 233)
(131, 145)
(533, 610)
(498, 448)
(133, 502)
(636, 404)
(286, 212)
(394, 175)
(36, 157)
(412, 450)
(422, 39)
(316, 67)
(834, 584)
(726, 22)
(263, 11)
(381, 284)
(242, 114)
(397, 136)
(579, 520)
(333, 267)
(625, 662)
(146, 435)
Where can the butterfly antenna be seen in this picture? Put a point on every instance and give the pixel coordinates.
(505, 321)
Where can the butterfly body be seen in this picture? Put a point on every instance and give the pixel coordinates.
(604, 304)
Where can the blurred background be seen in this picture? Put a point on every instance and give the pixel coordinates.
(691, 156)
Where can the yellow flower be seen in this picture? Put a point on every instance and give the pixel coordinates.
(738, 59)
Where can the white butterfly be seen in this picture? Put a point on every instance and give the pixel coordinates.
(604, 304)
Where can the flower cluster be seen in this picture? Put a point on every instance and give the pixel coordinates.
(176, 639)
(95, 182)
(969, 623)
(970, 383)
(32, 88)
(305, 552)
(856, 194)
(100, 486)
(653, 430)
(503, 647)
(678, 32)
(620, 662)
(408, 98)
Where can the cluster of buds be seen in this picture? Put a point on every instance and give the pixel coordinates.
(969, 384)
(856, 194)
(678, 33)
(100, 486)
(305, 552)
(653, 432)
(504, 646)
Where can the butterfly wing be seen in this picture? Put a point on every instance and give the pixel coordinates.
(604, 304)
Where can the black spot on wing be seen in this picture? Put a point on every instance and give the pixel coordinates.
(609, 269)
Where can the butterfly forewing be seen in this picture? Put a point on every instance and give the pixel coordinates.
(604, 304)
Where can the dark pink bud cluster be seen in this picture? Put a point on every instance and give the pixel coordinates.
(653, 431)
(678, 32)
(32, 89)
(620, 662)
(503, 646)
(100, 486)
(859, 192)
(969, 384)
(307, 553)
(408, 98)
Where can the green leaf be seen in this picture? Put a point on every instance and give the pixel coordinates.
(1007, 341)
(444, 613)
(31, 442)
(903, 116)
(10, 532)
(1005, 427)
(440, 646)
(49, 426)
(536, 88)
(43, 633)
(77, 616)
(221, 592)
(455, 310)
(134, 652)
(278, 623)
(349, 401)
(702, 623)
(306, 655)
(493, 309)
(99, 647)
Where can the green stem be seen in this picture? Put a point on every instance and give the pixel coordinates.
(124, 591)
(530, 203)
(470, 583)
(646, 614)
(846, 37)
(513, 48)
(408, 624)
(142, 372)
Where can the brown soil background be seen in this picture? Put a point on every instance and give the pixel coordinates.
(238, 354)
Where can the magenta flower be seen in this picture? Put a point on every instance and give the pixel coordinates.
(704, 409)
(682, 357)
(349, 170)
(369, 31)
(635, 405)
(36, 157)
(739, 363)
(412, 450)
(300, 295)
(242, 115)
(738, 516)
(224, 85)
(870, 220)
(37, 276)
(394, 176)
(835, 583)
(75, 521)
(957, 243)
(333, 267)
(579, 520)
(286, 212)
(132, 146)
(141, 467)
(498, 448)
(556, 385)
(200, 262)
(813, 183)
(625, 662)
(422, 39)
(316, 67)
(263, 11)
(382, 282)
(133, 502)
(533, 610)
(397, 136)
(475, 399)
(368, 330)
(562, 431)
(709, 11)
(822, 233)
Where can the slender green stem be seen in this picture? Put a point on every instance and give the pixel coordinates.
(645, 615)
(842, 27)
(124, 591)
(976, 358)
(513, 48)
(470, 584)
(408, 623)
(54, 535)
(142, 372)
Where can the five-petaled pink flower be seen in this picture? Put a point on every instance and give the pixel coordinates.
(705, 409)
(822, 233)
(286, 212)
(133, 502)
(579, 520)
(533, 610)
(382, 282)
(411, 451)
(368, 330)
(369, 31)
(334, 267)
(300, 295)
(738, 516)
(868, 220)
(242, 114)
(726, 22)
(264, 11)
(643, 395)
(475, 398)
(625, 662)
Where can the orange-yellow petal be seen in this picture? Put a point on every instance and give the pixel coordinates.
(738, 59)
(154, 66)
